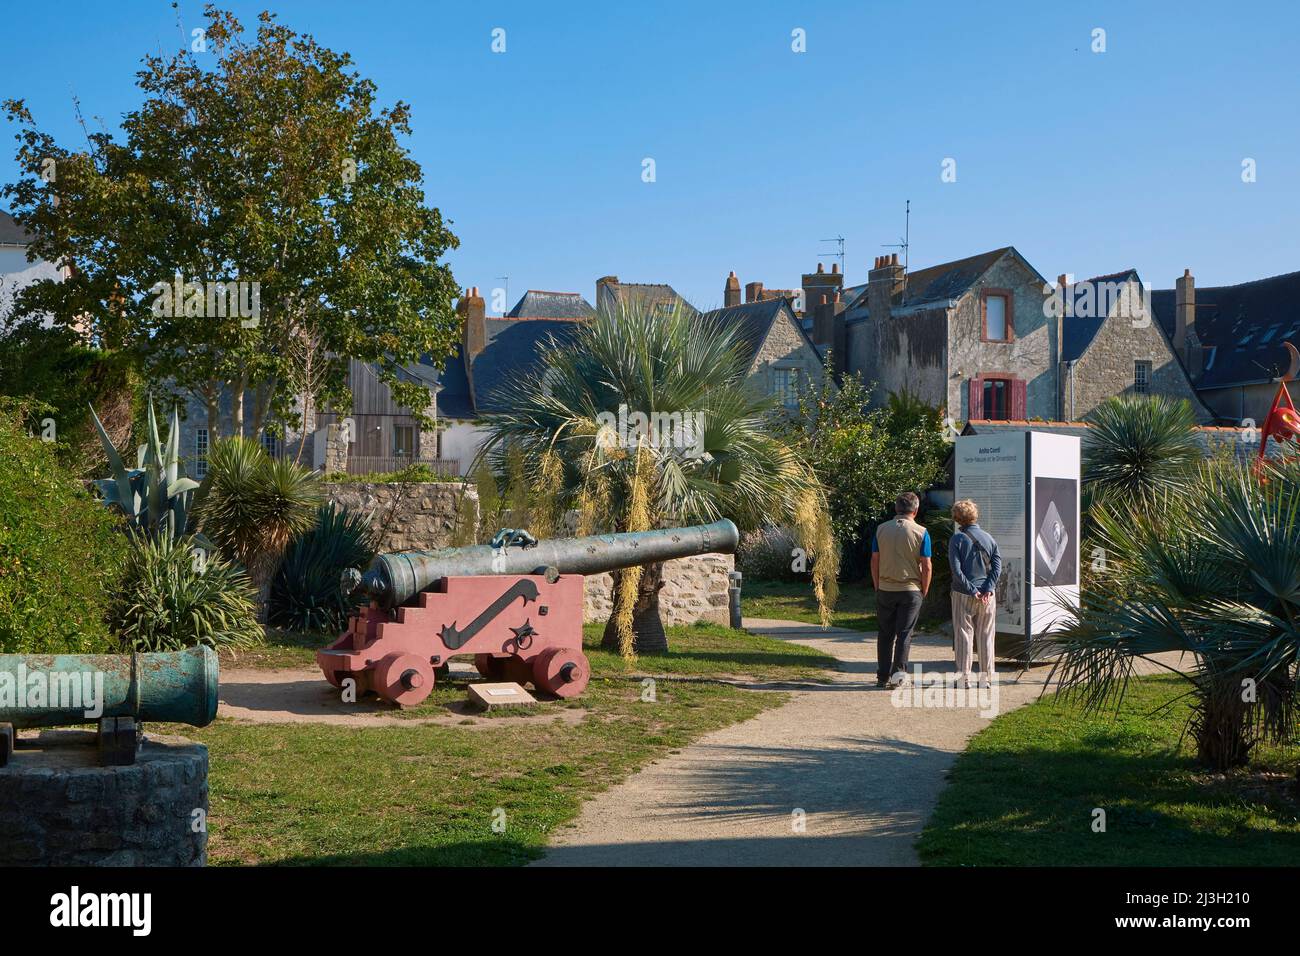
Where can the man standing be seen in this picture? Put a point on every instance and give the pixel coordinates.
(900, 570)
(976, 565)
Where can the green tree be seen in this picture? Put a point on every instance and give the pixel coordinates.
(555, 434)
(260, 164)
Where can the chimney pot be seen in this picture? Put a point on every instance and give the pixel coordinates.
(1061, 280)
(835, 268)
(820, 268)
(893, 259)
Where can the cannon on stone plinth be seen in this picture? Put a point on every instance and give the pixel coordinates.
(117, 692)
(516, 605)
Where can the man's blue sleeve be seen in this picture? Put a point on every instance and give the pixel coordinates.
(925, 545)
(875, 545)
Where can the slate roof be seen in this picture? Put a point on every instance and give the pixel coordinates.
(651, 293)
(1078, 331)
(513, 351)
(12, 234)
(948, 280)
(753, 321)
(551, 305)
(1245, 326)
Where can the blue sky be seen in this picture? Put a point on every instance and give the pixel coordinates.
(1087, 162)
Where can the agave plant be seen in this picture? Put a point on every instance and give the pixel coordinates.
(1212, 571)
(305, 594)
(155, 496)
(1139, 447)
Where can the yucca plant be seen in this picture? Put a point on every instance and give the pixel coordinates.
(553, 432)
(305, 593)
(155, 496)
(177, 594)
(251, 506)
(1139, 447)
(1211, 570)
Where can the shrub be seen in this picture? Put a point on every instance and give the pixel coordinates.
(768, 553)
(176, 595)
(417, 471)
(59, 550)
(305, 594)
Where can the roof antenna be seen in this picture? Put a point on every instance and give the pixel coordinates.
(905, 245)
(839, 241)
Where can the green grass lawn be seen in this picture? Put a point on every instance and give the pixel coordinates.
(1024, 792)
(794, 601)
(429, 794)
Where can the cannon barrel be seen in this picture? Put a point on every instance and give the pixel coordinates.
(394, 579)
(53, 690)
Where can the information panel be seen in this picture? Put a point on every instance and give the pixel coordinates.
(1026, 484)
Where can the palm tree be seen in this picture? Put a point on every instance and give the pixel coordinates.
(1212, 571)
(251, 506)
(561, 433)
(1139, 446)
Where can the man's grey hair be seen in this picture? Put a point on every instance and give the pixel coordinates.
(907, 503)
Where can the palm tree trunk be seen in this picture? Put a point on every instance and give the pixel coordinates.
(648, 635)
(1221, 727)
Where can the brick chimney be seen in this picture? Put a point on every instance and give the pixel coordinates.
(731, 291)
(828, 329)
(1184, 312)
(818, 284)
(884, 281)
(753, 291)
(473, 315)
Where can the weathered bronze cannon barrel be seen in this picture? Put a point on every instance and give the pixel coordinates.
(52, 690)
(395, 578)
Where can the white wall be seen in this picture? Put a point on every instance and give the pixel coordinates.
(16, 272)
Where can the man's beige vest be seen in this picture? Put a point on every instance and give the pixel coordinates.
(899, 544)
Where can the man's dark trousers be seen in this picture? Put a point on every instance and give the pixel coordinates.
(896, 614)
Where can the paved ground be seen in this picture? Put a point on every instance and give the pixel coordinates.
(859, 772)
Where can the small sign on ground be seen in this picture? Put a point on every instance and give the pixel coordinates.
(488, 696)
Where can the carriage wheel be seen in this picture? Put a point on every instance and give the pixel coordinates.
(562, 671)
(404, 679)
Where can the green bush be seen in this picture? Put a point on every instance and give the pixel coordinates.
(175, 594)
(418, 471)
(59, 550)
(768, 554)
(305, 593)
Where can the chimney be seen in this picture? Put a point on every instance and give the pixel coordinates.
(818, 285)
(828, 329)
(1184, 312)
(607, 293)
(473, 313)
(884, 281)
(753, 291)
(731, 291)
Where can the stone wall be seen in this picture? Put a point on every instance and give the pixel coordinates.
(58, 807)
(695, 590)
(785, 347)
(417, 516)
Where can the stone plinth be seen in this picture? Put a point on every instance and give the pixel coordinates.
(58, 807)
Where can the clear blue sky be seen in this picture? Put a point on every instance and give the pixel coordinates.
(1087, 162)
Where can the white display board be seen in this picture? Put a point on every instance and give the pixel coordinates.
(1026, 484)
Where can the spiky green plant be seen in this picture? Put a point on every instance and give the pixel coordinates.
(657, 362)
(252, 505)
(305, 593)
(177, 594)
(1213, 571)
(155, 496)
(1138, 448)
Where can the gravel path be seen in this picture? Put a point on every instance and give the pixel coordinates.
(857, 772)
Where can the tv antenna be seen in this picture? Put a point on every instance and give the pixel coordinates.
(839, 244)
(905, 245)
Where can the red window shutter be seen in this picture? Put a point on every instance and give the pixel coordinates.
(1018, 398)
(976, 398)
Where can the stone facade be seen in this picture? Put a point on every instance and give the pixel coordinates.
(1107, 367)
(695, 591)
(58, 807)
(410, 516)
(786, 347)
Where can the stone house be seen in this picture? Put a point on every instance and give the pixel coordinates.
(783, 360)
(1112, 345)
(1231, 340)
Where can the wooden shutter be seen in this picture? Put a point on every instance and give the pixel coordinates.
(1018, 397)
(976, 398)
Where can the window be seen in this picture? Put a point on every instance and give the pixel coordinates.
(997, 399)
(403, 441)
(785, 383)
(200, 453)
(271, 444)
(1142, 377)
(996, 307)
